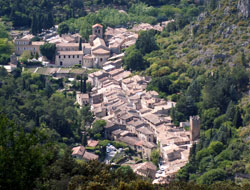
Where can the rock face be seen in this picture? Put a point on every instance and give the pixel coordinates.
(244, 8)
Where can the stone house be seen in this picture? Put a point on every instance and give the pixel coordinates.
(25, 44)
(145, 134)
(82, 99)
(146, 169)
(97, 98)
(110, 127)
(134, 124)
(171, 152)
(69, 58)
(80, 152)
(147, 148)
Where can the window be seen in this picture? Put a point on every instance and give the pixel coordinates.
(59, 57)
(80, 62)
(101, 59)
(73, 56)
(64, 56)
(77, 56)
(99, 31)
(69, 56)
(61, 63)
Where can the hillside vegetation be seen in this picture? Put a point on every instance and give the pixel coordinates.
(205, 68)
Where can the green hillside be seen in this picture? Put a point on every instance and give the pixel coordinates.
(205, 68)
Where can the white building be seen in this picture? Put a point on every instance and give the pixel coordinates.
(69, 58)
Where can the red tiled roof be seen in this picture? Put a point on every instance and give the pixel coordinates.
(92, 143)
(96, 25)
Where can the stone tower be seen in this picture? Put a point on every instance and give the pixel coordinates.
(97, 30)
(194, 127)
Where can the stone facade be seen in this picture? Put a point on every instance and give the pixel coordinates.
(195, 127)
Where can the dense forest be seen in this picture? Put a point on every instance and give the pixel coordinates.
(184, 12)
(43, 14)
(31, 160)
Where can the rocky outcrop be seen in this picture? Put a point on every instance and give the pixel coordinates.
(244, 8)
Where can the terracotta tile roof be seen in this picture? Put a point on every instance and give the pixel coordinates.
(37, 43)
(101, 52)
(96, 25)
(67, 45)
(90, 156)
(79, 150)
(70, 53)
(92, 143)
(145, 130)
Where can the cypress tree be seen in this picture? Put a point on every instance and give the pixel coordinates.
(85, 78)
(84, 139)
(34, 28)
(80, 44)
(237, 121)
(81, 86)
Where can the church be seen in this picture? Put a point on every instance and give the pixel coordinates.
(89, 55)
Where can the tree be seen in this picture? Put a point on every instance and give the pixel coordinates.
(22, 157)
(63, 28)
(84, 139)
(25, 56)
(237, 120)
(34, 25)
(125, 173)
(48, 50)
(80, 44)
(155, 156)
(134, 60)
(85, 78)
(97, 129)
(212, 176)
(146, 42)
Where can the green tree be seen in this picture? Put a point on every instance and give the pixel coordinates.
(22, 157)
(134, 60)
(80, 44)
(155, 156)
(48, 50)
(63, 28)
(146, 42)
(125, 173)
(212, 175)
(25, 56)
(98, 128)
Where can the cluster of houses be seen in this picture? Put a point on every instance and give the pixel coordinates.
(70, 50)
(81, 153)
(139, 118)
(134, 116)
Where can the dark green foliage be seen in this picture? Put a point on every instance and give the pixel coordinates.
(6, 46)
(47, 12)
(97, 130)
(80, 44)
(48, 50)
(155, 156)
(38, 105)
(22, 157)
(134, 59)
(146, 42)
(63, 29)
